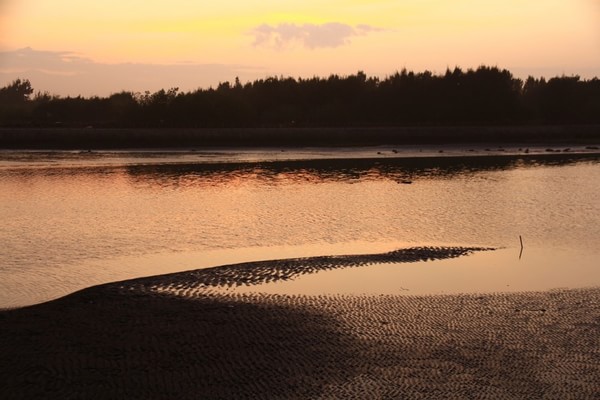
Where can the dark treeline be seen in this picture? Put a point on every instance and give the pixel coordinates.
(485, 96)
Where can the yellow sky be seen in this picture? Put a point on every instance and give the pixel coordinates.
(308, 37)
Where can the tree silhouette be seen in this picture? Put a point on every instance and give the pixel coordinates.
(14, 105)
(482, 96)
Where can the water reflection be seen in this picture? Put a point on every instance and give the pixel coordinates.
(481, 272)
(70, 226)
(276, 271)
(400, 170)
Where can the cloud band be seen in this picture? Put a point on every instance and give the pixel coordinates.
(312, 36)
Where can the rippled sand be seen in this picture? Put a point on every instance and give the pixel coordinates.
(170, 337)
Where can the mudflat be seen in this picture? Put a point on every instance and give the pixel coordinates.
(171, 337)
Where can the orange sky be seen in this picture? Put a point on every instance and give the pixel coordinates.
(80, 47)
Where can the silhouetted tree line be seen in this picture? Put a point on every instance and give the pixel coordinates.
(486, 95)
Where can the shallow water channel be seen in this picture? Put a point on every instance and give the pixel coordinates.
(72, 220)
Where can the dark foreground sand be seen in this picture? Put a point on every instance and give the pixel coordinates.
(171, 338)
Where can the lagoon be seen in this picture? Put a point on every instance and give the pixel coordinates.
(75, 219)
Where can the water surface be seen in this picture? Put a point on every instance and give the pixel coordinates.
(71, 220)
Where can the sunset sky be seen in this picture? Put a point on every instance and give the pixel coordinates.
(72, 47)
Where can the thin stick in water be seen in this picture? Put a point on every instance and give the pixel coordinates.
(521, 252)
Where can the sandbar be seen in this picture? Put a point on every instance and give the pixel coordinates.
(169, 337)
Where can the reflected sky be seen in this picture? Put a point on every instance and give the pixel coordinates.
(481, 272)
(70, 226)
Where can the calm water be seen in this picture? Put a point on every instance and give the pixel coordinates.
(73, 220)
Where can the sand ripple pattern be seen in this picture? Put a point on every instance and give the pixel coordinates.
(192, 283)
(130, 340)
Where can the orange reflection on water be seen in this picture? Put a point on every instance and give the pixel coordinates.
(73, 225)
(482, 272)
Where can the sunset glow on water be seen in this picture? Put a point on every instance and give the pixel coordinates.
(81, 222)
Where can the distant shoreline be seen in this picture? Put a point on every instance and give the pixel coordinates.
(136, 138)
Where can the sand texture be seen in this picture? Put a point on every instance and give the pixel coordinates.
(196, 282)
(170, 337)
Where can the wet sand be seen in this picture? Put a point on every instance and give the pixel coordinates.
(171, 337)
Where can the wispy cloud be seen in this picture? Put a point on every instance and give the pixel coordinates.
(312, 36)
(68, 73)
(29, 55)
